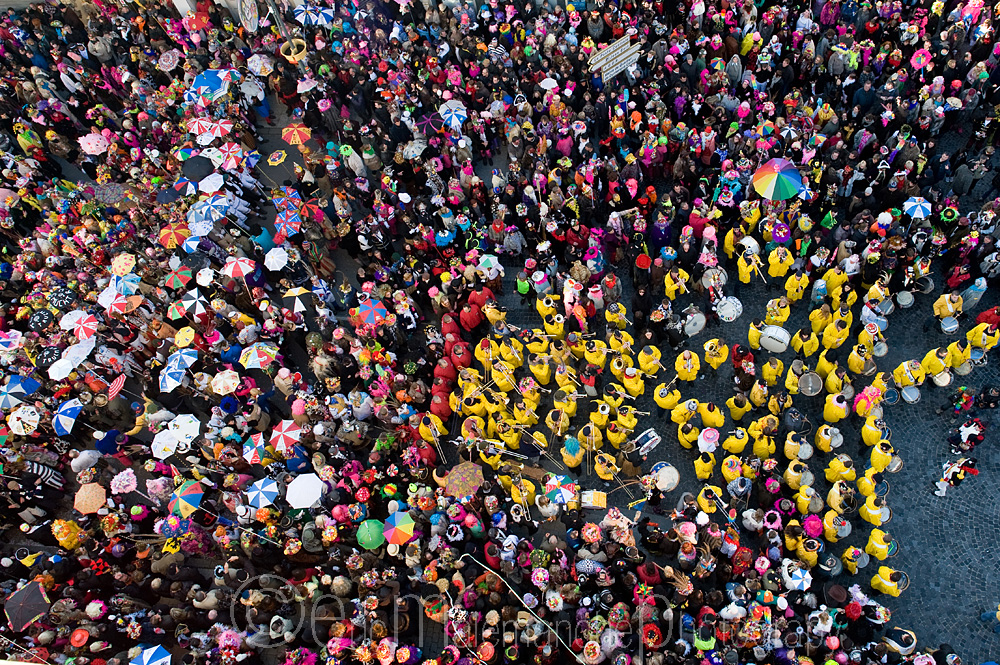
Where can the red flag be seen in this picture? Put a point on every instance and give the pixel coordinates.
(116, 386)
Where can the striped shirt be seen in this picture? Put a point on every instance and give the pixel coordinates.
(497, 52)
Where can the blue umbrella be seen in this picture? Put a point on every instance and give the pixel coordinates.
(170, 378)
(191, 244)
(16, 388)
(307, 15)
(126, 285)
(152, 656)
(262, 493)
(65, 416)
(917, 207)
(182, 359)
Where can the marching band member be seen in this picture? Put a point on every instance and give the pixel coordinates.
(540, 368)
(871, 431)
(835, 334)
(778, 312)
(796, 285)
(512, 351)
(665, 398)
(738, 406)
(984, 336)
(959, 353)
(573, 454)
(805, 343)
(687, 365)
(909, 373)
(772, 371)
(779, 261)
(716, 353)
(935, 361)
(835, 408)
(675, 283)
(633, 382)
(737, 441)
(824, 438)
(596, 353)
(615, 316)
(820, 318)
(557, 422)
(620, 341)
(754, 332)
(590, 437)
(617, 435)
(856, 359)
(704, 466)
(605, 467)
(649, 360)
(711, 416)
(683, 413)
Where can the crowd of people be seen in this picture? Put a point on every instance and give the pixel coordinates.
(256, 417)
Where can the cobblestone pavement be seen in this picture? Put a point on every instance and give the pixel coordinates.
(948, 546)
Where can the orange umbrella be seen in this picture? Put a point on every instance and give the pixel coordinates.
(296, 133)
(173, 235)
(90, 498)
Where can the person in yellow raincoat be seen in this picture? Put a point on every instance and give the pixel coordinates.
(835, 408)
(834, 335)
(564, 399)
(617, 435)
(738, 406)
(746, 266)
(565, 377)
(683, 413)
(431, 428)
(704, 466)
(772, 371)
(665, 398)
(737, 441)
(794, 474)
(687, 435)
(959, 353)
(983, 336)
(614, 314)
(758, 393)
(779, 402)
(537, 342)
(486, 352)
(805, 343)
(824, 438)
(707, 497)
(540, 368)
(880, 544)
(687, 365)
(832, 522)
(619, 363)
(620, 341)
(843, 313)
(596, 353)
(935, 361)
(716, 353)
(522, 491)
(872, 431)
(633, 382)
(836, 380)
(840, 497)
(820, 318)
(764, 445)
(777, 312)
(512, 351)
(909, 373)
(845, 294)
(576, 345)
(881, 455)
(605, 467)
(503, 376)
(573, 454)
(778, 262)
(555, 326)
(808, 500)
(590, 437)
(949, 304)
(675, 283)
(856, 359)
(869, 336)
(794, 375)
(627, 417)
(795, 286)
(824, 365)
(841, 467)
(835, 278)
(557, 421)
(754, 332)
(867, 482)
(887, 581)
(649, 360)
(851, 557)
(546, 305)
(871, 510)
(711, 415)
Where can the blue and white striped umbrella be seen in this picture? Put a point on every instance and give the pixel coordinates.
(454, 113)
(126, 285)
(16, 388)
(170, 378)
(191, 244)
(211, 209)
(182, 359)
(64, 418)
(152, 656)
(307, 15)
(917, 207)
(202, 227)
(262, 493)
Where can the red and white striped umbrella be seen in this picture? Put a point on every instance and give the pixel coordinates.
(85, 327)
(220, 128)
(116, 386)
(285, 435)
(200, 125)
(231, 150)
(118, 304)
(238, 267)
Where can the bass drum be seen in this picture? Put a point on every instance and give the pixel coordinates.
(694, 323)
(665, 476)
(729, 309)
(750, 243)
(924, 284)
(775, 339)
(717, 277)
(810, 384)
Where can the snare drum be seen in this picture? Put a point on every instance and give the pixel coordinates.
(882, 323)
(881, 488)
(964, 368)
(714, 277)
(977, 357)
(847, 391)
(910, 394)
(904, 583)
(886, 433)
(729, 309)
(836, 438)
(924, 284)
(843, 527)
(805, 451)
(886, 307)
(943, 379)
(949, 324)
(886, 514)
(775, 339)
(895, 464)
(875, 412)
(869, 368)
(810, 384)
(694, 324)
(904, 299)
(879, 349)
(890, 397)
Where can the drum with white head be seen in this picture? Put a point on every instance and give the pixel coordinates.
(886, 307)
(750, 243)
(715, 277)
(805, 451)
(942, 379)
(836, 437)
(729, 309)
(666, 477)
(775, 339)
(964, 369)
(949, 325)
(810, 384)
(905, 299)
(910, 394)
(924, 284)
(879, 349)
(847, 391)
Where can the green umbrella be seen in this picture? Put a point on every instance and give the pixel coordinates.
(371, 534)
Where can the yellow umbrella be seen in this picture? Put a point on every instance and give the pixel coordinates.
(296, 133)
(123, 264)
(174, 235)
(184, 336)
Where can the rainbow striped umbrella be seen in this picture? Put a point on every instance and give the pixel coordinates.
(399, 528)
(777, 180)
(186, 498)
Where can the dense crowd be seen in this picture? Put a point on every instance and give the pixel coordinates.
(257, 417)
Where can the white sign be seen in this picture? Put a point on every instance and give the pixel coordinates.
(601, 57)
(625, 60)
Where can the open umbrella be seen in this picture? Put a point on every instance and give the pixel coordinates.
(372, 312)
(93, 143)
(185, 427)
(41, 320)
(90, 498)
(179, 278)
(65, 416)
(170, 378)
(285, 435)
(276, 258)
(164, 444)
(258, 355)
(399, 528)
(297, 299)
(254, 449)
(173, 235)
(182, 359)
(277, 157)
(432, 123)
(23, 420)
(288, 223)
(371, 534)
(196, 168)
(62, 297)
(16, 388)
(305, 491)
(454, 113)
(917, 207)
(26, 606)
(262, 493)
(777, 180)
(799, 579)
(260, 64)
(225, 382)
(194, 303)
(308, 15)
(187, 498)
(464, 480)
(296, 133)
(169, 60)
(47, 357)
(152, 656)
(238, 267)
(920, 58)
(212, 183)
(560, 489)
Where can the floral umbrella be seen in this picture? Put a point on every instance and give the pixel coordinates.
(90, 498)
(225, 382)
(464, 480)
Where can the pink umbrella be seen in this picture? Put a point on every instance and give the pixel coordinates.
(93, 144)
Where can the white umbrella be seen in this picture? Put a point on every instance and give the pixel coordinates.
(799, 579)
(185, 427)
(71, 359)
(204, 139)
(304, 491)
(212, 183)
(549, 84)
(454, 113)
(204, 276)
(164, 444)
(276, 258)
